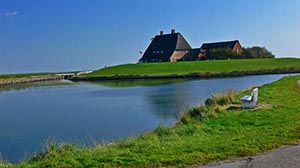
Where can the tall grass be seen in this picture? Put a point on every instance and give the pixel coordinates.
(211, 108)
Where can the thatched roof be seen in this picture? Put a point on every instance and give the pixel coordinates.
(162, 47)
(226, 44)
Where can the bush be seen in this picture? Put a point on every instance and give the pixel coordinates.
(251, 52)
(257, 52)
(223, 53)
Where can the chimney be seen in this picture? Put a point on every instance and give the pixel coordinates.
(173, 31)
(161, 33)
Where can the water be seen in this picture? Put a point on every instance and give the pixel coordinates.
(32, 115)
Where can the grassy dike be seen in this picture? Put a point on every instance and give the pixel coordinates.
(217, 131)
(197, 69)
(8, 79)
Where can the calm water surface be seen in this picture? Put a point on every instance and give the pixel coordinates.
(32, 115)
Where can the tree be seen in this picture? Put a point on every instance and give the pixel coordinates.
(227, 53)
(257, 52)
(223, 53)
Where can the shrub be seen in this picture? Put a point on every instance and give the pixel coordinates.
(257, 52)
(251, 52)
(223, 53)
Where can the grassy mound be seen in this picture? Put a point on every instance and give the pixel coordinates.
(196, 67)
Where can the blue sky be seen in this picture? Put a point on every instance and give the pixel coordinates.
(63, 35)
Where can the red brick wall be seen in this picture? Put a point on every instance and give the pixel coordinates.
(237, 48)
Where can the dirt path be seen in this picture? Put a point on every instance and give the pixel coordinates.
(284, 157)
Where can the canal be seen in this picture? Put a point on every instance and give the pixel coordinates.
(32, 115)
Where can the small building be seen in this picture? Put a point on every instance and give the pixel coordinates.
(166, 48)
(203, 53)
(235, 46)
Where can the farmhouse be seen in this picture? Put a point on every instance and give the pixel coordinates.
(166, 48)
(173, 47)
(235, 46)
(203, 53)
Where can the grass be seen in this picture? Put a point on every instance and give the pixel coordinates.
(204, 134)
(21, 77)
(8, 79)
(185, 68)
(17, 76)
(30, 85)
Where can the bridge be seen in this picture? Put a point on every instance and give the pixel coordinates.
(68, 75)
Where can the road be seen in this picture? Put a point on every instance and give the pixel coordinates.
(284, 157)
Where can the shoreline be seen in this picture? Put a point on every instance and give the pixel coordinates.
(190, 75)
(204, 75)
(13, 81)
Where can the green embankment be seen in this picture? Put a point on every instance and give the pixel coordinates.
(8, 79)
(27, 75)
(197, 67)
(204, 134)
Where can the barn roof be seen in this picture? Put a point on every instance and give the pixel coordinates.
(225, 44)
(169, 41)
(163, 46)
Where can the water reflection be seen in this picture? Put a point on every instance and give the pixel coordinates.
(23, 86)
(168, 102)
(166, 98)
